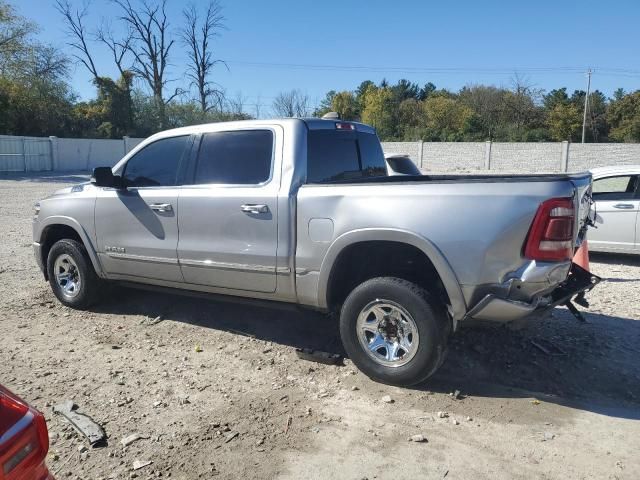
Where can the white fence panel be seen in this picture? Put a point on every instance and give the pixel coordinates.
(23, 154)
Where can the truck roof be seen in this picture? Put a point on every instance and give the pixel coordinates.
(311, 122)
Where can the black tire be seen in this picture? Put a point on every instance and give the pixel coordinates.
(428, 314)
(89, 283)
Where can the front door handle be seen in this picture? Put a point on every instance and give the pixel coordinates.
(161, 207)
(623, 206)
(253, 208)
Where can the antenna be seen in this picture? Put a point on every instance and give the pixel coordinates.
(586, 104)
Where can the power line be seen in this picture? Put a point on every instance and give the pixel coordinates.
(624, 72)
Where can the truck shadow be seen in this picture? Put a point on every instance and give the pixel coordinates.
(593, 366)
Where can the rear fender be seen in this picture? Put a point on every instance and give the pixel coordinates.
(446, 273)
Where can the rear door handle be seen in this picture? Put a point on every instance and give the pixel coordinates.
(623, 206)
(161, 207)
(253, 208)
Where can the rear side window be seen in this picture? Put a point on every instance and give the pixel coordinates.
(615, 188)
(240, 157)
(338, 155)
(156, 165)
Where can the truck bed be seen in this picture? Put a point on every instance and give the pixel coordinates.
(474, 178)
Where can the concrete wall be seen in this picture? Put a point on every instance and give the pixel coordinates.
(33, 154)
(521, 157)
(21, 154)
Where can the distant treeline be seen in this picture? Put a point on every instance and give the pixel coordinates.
(407, 112)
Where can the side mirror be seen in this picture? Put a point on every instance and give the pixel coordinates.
(104, 177)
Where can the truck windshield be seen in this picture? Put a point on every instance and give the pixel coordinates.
(334, 155)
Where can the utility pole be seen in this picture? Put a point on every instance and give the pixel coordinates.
(586, 104)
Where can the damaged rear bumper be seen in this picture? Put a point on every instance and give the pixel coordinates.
(577, 284)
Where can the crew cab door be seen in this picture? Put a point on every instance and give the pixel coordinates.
(137, 226)
(228, 218)
(617, 205)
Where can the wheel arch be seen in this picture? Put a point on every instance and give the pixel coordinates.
(60, 227)
(350, 240)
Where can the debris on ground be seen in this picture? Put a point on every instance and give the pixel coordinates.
(81, 422)
(129, 439)
(319, 356)
(546, 436)
(138, 464)
(419, 438)
(288, 424)
(387, 399)
(442, 414)
(230, 436)
(149, 322)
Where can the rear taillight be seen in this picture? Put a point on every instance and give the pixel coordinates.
(551, 235)
(345, 126)
(24, 440)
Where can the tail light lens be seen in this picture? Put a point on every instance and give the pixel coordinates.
(24, 440)
(551, 235)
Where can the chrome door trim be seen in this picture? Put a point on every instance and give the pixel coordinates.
(233, 266)
(142, 258)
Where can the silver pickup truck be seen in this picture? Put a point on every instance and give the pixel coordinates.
(303, 211)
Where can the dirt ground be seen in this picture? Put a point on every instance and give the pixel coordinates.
(246, 407)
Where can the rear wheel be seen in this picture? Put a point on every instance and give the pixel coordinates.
(71, 275)
(394, 331)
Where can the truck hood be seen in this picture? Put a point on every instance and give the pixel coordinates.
(80, 187)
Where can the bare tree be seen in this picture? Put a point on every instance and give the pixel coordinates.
(74, 20)
(235, 105)
(198, 38)
(520, 102)
(118, 47)
(293, 103)
(150, 46)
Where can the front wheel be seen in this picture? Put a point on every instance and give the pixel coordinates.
(394, 331)
(71, 275)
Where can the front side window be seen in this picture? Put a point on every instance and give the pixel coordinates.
(615, 188)
(241, 157)
(156, 165)
(338, 156)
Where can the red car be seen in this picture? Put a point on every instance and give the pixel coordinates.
(24, 440)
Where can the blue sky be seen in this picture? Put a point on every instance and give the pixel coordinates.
(450, 43)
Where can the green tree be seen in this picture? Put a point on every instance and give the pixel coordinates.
(325, 104)
(345, 104)
(378, 106)
(446, 118)
(488, 106)
(564, 121)
(624, 117)
(411, 120)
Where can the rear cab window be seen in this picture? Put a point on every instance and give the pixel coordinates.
(339, 156)
(239, 157)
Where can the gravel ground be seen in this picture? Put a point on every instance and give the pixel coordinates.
(216, 389)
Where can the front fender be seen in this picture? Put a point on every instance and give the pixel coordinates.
(449, 279)
(42, 226)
